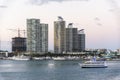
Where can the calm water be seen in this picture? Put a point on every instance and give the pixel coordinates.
(56, 70)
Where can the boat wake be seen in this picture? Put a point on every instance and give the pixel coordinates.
(6, 65)
(51, 64)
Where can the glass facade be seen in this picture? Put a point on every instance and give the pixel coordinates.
(37, 36)
(59, 36)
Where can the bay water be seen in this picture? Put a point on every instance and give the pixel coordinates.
(56, 70)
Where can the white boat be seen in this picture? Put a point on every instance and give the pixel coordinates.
(97, 64)
(94, 64)
(58, 58)
(38, 58)
(20, 58)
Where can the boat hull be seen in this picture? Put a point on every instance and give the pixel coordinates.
(94, 66)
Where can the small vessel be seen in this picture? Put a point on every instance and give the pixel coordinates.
(38, 58)
(58, 58)
(20, 58)
(94, 64)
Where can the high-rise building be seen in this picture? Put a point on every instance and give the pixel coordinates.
(37, 36)
(18, 44)
(71, 39)
(75, 40)
(59, 36)
(81, 40)
(44, 38)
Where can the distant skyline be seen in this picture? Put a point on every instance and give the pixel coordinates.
(99, 18)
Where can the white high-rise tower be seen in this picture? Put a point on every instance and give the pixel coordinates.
(37, 36)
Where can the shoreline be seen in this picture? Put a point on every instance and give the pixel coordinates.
(58, 58)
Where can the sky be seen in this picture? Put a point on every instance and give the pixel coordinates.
(99, 18)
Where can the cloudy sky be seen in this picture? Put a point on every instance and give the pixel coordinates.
(99, 18)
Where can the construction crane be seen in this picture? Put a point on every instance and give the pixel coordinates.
(19, 31)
